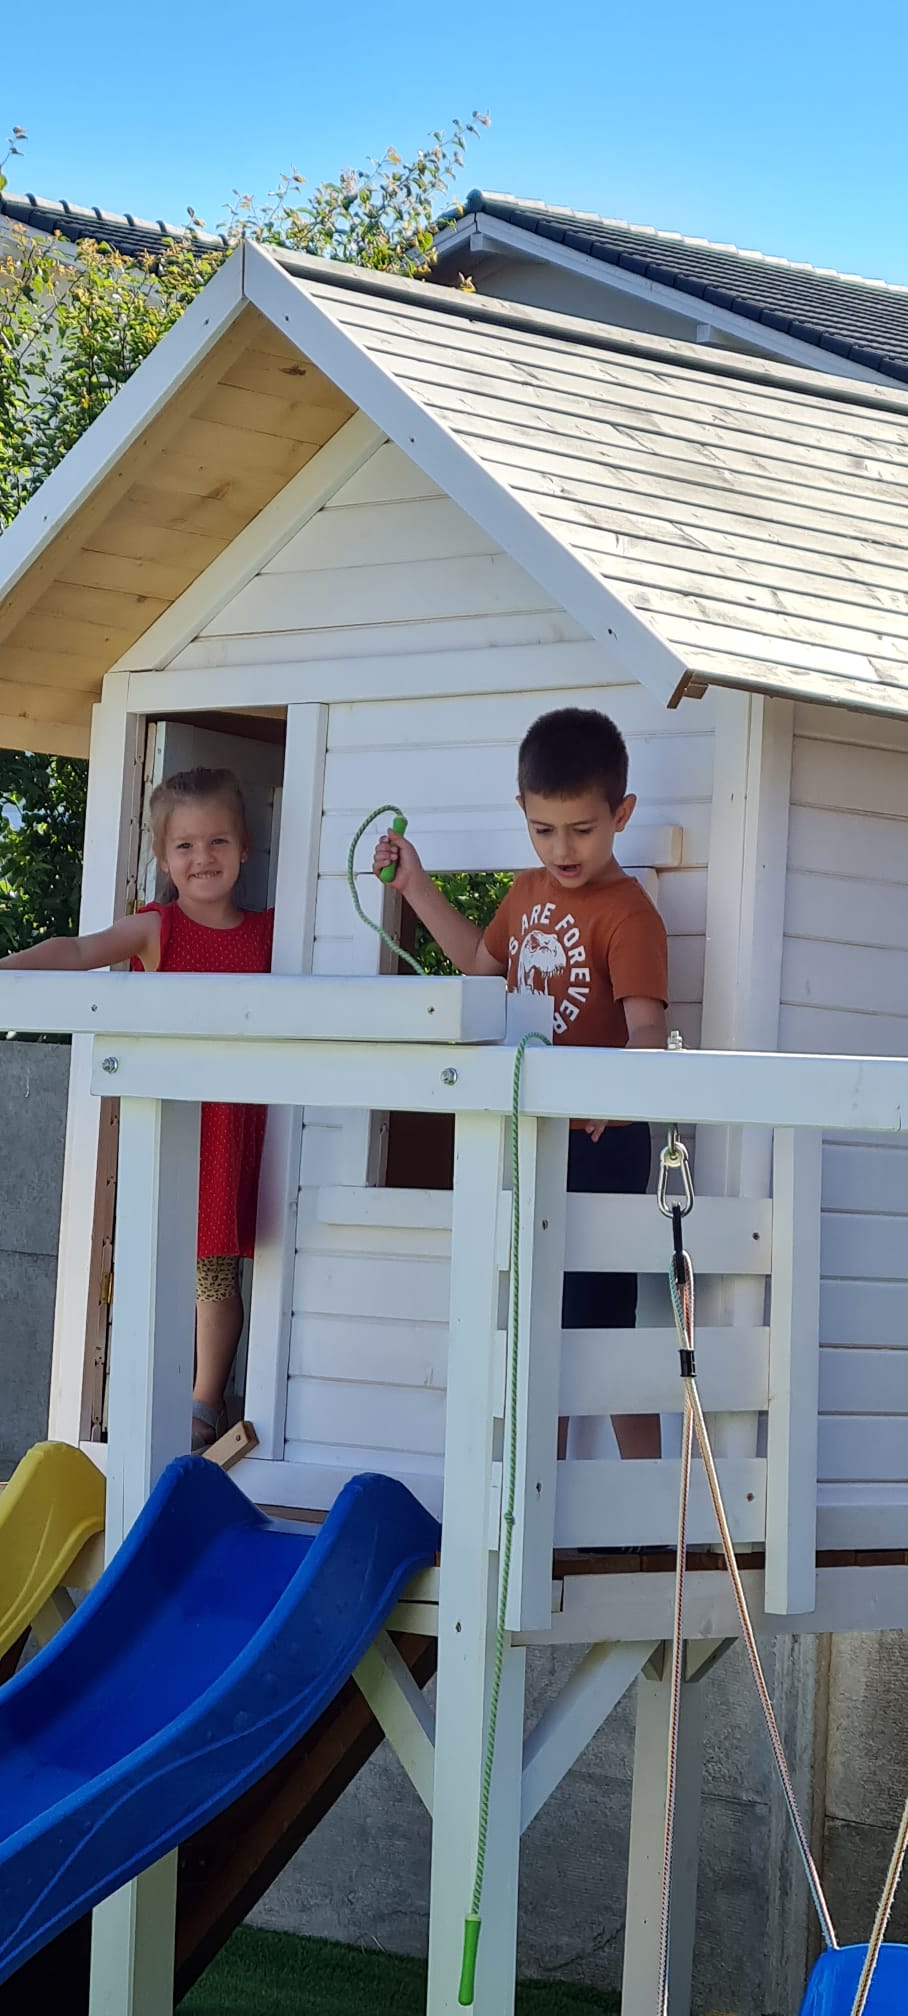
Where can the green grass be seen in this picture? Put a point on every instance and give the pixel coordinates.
(275, 1974)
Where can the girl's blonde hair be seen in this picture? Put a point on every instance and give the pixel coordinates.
(192, 787)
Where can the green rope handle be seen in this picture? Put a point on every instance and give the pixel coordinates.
(379, 929)
(473, 1922)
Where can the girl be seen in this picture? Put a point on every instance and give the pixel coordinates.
(200, 839)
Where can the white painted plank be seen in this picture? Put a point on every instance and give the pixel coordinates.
(863, 1178)
(865, 1380)
(400, 1706)
(730, 1235)
(540, 1257)
(636, 1504)
(571, 1721)
(491, 838)
(363, 1414)
(863, 733)
(472, 775)
(369, 1285)
(852, 911)
(376, 643)
(410, 1352)
(842, 779)
(864, 1246)
(390, 477)
(864, 1313)
(637, 1371)
(858, 844)
(865, 1447)
(833, 1032)
(357, 536)
(862, 978)
(709, 1087)
(498, 716)
(488, 584)
(390, 1009)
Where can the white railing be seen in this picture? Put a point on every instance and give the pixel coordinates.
(164, 1044)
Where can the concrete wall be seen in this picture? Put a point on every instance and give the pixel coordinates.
(363, 1878)
(33, 1082)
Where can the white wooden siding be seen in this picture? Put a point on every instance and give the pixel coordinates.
(845, 991)
(408, 581)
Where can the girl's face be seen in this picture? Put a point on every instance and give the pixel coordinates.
(203, 851)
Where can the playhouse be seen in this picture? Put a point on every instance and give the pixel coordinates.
(350, 535)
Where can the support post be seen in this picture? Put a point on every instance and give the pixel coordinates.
(294, 937)
(150, 1388)
(89, 1169)
(794, 1375)
(543, 1201)
(468, 1589)
(640, 1984)
(742, 983)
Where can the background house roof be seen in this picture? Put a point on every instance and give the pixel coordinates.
(133, 236)
(863, 320)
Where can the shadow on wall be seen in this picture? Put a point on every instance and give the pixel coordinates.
(33, 1086)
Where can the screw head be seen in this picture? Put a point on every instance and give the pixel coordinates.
(449, 1077)
(110, 1065)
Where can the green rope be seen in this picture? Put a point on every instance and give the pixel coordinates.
(473, 1921)
(379, 929)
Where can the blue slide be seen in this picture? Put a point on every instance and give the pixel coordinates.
(209, 1646)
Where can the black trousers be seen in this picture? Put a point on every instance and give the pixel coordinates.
(619, 1162)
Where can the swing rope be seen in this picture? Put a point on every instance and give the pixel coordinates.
(893, 1875)
(473, 1921)
(681, 1284)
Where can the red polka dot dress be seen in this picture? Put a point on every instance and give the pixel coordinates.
(232, 1136)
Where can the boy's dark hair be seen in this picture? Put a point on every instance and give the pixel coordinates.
(571, 750)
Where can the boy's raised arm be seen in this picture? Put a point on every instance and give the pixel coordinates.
(461, 941)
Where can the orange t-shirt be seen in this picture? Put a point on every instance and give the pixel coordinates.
(590, 950)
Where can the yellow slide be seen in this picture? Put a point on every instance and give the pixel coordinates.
(53, 1504)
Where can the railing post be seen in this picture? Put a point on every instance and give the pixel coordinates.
(543, 1181)
(150, 1389)
(467, 1605)
(794, 1374)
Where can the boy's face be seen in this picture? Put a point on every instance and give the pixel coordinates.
(575, 837)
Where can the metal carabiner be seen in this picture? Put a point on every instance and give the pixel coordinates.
(674, 1156)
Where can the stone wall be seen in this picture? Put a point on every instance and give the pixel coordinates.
(33, 1083)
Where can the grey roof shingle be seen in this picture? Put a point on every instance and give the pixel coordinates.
(863, 320)
(135, 237)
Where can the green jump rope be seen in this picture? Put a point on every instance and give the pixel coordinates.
(473, 1924)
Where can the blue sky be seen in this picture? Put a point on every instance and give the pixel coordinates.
(779, 126)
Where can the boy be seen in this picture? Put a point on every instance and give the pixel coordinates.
(581, 930)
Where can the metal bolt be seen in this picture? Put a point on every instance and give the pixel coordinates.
(110, 1065)
(676, 1040)
(449, 1077)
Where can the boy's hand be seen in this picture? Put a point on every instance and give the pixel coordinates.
(595, 1129)
(393, 847)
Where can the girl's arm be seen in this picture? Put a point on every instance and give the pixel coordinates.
(137, 937)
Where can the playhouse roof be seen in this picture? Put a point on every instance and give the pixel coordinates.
(865, 321)
(708, 518)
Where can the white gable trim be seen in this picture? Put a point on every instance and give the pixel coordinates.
(96, 454)
(251, 550)
(630, 644)
(481, 233)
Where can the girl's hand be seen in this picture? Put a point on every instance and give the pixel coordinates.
(595, 1129)
(393, 847)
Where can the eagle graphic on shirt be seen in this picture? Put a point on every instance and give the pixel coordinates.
(552, 961)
